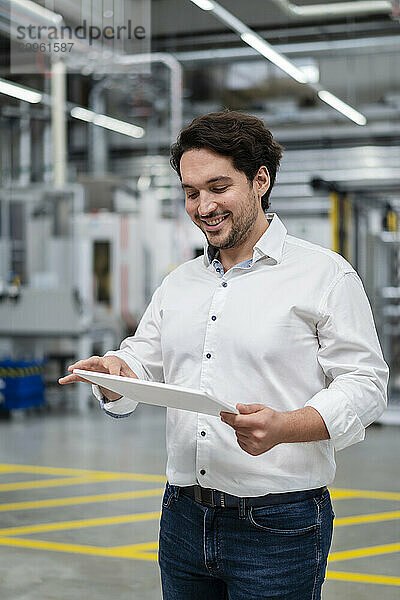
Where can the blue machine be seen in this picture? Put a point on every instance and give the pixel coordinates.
(21, 384)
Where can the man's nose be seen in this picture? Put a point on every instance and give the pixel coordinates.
(206, 204)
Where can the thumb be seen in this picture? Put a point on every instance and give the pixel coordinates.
(113, 364)
(247, 409)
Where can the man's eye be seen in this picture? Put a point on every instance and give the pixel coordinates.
(220, 189)
(191, 196)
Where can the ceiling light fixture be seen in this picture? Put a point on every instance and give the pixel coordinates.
(107, 122)
(263, 47)
(204, 4)
(256, 42)
(19, 92)
(43, 13)
(342, 107)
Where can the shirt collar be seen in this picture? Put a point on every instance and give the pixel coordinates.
(270, 243)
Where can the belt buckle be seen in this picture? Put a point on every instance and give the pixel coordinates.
(207, 497)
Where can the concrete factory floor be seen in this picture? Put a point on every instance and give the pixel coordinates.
(80, 499)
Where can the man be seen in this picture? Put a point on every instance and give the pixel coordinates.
(283, 328)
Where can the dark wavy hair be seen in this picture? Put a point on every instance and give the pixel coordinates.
(242, 137)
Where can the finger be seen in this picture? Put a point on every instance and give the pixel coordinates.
(71, 379)
(127, 372)
(228, 418)
(248, 448)
(244, 446)
(239, 421)
(112, 364)
(243, 432)
(88, 364)
(246, 409)
(241, 437)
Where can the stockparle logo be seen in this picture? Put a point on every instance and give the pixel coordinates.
(41, 30)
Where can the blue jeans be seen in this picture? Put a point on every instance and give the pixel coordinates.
(266, 553)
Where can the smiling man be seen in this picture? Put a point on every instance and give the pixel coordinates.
(283, 328)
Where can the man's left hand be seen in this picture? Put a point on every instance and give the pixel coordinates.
(258, 428)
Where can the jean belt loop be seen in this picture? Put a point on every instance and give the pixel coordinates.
(242, 508)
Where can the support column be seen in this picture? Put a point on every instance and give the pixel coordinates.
(59, 122)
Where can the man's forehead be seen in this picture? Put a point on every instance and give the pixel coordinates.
(216, 179)
(203, 166)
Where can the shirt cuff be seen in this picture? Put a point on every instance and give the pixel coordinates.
(119, 408)
(342, 422)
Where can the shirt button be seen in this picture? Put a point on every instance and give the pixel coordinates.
(203, 433)
(213, 318)
(208, 355)
(219, 270)
(224, 284)
(202, 472)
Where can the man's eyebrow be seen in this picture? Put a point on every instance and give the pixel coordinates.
(219, 178)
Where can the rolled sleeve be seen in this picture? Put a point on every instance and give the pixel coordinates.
(118, 408)
(351, 358)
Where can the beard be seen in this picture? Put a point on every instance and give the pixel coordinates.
(241, 226)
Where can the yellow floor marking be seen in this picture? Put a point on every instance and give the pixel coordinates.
(339, 494)
(123, 552)
(44, 483)
(153, 556)
(80, 523)
(12, 468)
(57, 546)
(363, 578)
(67, 476)
(9, 468)
(93, 498)
(370, 518)
(138, 551)
(363, 552)
(143, 546)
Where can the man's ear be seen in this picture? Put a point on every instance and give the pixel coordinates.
(262, 181)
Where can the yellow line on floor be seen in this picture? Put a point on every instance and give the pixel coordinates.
(341, 493)
(370, 518)
(71, 548)
(363, 578)
(92, 498)
(363, 552)
(42, 470)
(79, 524)
(138, 552)
(153, 556)
(11, 468)
(44, 483)
(144, 546)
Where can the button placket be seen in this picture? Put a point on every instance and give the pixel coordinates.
(206, 377)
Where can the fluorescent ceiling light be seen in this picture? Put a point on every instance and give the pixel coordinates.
(256, 42)
(263, 47)
(43, 13)
(107, 122)
(342, 107)
(204, 4)
(17, 91)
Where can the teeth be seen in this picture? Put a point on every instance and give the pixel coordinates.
(216, 221)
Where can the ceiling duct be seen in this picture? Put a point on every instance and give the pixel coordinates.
(336, 9)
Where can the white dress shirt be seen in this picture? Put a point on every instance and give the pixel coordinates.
(292, 329)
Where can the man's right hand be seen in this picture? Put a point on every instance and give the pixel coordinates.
(102, 364)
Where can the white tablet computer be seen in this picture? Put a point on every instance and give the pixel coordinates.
(159, 394)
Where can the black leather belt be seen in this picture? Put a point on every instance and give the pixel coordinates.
(214, 498)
